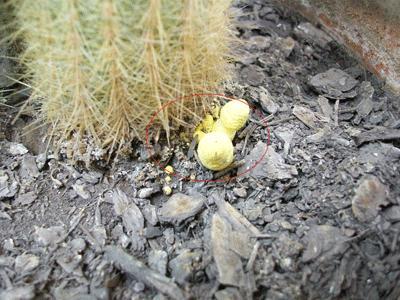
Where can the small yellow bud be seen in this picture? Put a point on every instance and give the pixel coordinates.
(167, 190)
(234, 114)
(168, 179)
(215, 151)
(205, 126)
(169, 170)
(208, 123)
(192, 176)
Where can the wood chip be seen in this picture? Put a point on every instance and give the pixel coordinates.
(229, 264)
(306, 116)
(326, 108)
(377, 134)
(238, 221)
(141, 272)
(131, 215)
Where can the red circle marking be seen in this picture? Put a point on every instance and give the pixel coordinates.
(189, 97)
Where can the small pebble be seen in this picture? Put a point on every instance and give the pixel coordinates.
(78, 245)
(26, 262)
(8, 244)
(179, 207)
(17, 149)
(158, 260)
(240, 192)
(370, 195)
(138, 287)
(169, 236)
(41, 160)
(145, 193)
(349, 232)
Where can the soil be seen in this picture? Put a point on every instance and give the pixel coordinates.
(318, 217)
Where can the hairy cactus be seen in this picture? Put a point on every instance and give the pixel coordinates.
(102, 67)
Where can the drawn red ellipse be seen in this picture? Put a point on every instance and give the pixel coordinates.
(189, 97)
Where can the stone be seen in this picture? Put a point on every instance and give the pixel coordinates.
(287, 44)
(365, 105)
(26, 292)
(258, 43)
(92, 177)
(146, 192)
(49, 236)
(252, 75)
(370, 195)
(334, 83)
(152, 232)
(8, 184)
(81, 190)
(272, 164)
(131, 215)
(183, 266)
(29, 170)
(240, 192)
(305, 115)
(179, 207)
(25, 199)
(150, 214)
(392, 214)
(158, 260)
(77, 245)
(41, 160)
(228, 293)
(17, 149)
(267, 103)
(286, 136)
(310, 33)
(26, 262)
(323, 242)
(71, 263)
(139, 287)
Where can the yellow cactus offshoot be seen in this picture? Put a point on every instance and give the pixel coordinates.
(168, 179)
(169, 170)
(215, 151)
(215, 137)
(234, 114)
(167, 190)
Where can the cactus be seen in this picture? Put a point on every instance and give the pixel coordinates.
(9, 47)
(100, 68)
